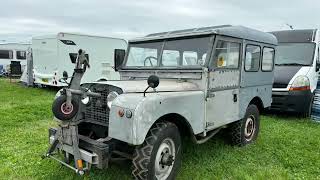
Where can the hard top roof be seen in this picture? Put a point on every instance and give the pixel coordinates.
(227, 30)
(299, 35)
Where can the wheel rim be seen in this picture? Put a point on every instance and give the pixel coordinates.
(65, 109)
(250, 127)
(165, 159)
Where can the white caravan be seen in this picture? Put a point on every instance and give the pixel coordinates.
(52, 54)
(296, 72)
(12, 52)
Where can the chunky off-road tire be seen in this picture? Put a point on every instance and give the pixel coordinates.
(246, 130)
(62, 112)
(146, 164)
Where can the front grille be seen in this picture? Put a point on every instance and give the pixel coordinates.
(97, 110)
(278, 85)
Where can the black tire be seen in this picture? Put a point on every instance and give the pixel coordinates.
(145, 155)
(59, 113)
(238, 133)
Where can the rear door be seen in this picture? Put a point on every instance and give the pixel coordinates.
(222, 105)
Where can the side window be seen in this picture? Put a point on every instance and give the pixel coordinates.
(21, 54)
(252, 59)
(170, 58)
(267, 59)
(227, 54)
(6, 54)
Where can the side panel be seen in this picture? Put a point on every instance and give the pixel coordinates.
(45, 57)
(148, 109)
(255, 84)
(248, 93)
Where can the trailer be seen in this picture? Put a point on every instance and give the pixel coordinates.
(12, 53)
(53, 54)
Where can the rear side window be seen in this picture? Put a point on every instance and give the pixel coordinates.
(6, 54)
(227, 54)
(267, 59)
(252, 60)
(21, 54)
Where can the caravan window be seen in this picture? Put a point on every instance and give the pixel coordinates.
(21, 54)
(252, 60)
(6, 54)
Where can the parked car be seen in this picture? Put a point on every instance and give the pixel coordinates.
(191, 82)
(53, 54)
(296, 71)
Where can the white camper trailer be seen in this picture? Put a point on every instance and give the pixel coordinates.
(12, 52)
(52, 55)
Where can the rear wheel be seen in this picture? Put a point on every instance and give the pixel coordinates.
(246, 130)
(159, 156)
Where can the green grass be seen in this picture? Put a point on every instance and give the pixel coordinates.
(287, 147)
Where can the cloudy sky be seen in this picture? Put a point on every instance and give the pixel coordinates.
(22, 19)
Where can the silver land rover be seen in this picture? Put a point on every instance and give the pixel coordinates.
(192, 82)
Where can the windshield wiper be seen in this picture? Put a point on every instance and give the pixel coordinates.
(292, 64)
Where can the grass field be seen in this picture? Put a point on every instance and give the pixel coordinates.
(287, 148)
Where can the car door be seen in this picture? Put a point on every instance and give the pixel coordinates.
(222, 104)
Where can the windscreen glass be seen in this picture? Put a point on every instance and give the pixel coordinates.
(183, 52)
(295, 54)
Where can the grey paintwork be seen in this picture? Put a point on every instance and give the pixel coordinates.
(240, 32)
(130, 86)
(207, 97)
(146, 110)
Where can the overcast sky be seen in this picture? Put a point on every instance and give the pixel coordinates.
(22, 19)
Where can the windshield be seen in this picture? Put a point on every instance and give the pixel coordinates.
(187, 52)
(295, 54)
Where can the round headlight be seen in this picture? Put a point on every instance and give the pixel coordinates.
(111, 96)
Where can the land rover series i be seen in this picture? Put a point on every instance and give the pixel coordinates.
(191, 82)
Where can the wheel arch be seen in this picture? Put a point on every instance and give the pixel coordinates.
(184, 127)
(258, 102)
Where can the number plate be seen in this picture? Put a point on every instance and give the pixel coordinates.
(45, 80)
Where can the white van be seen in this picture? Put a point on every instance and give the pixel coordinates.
(296, 70)
(12, 52)
(52, 54)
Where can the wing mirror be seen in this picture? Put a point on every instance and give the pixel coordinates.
(153, 82)
(119, 55)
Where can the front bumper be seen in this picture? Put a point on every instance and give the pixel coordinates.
(291, 101)
(91, 151)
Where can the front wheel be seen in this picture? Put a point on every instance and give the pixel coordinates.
(159, 156)
(246, 130)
